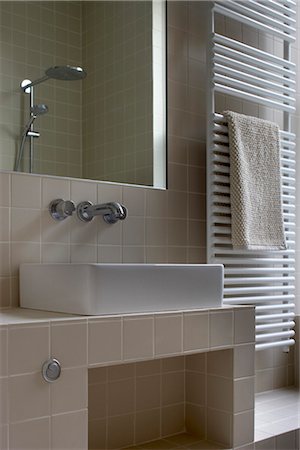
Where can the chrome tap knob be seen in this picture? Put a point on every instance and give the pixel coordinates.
(51, 370)
(61, 209)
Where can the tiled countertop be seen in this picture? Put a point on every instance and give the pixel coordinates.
(132, 337)
(13, 316)
(276, 412)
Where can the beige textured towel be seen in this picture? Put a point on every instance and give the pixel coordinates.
(255, 183)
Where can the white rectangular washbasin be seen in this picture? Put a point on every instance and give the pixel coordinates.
(97, 289)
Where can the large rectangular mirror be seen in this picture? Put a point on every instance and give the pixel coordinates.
(108, 125)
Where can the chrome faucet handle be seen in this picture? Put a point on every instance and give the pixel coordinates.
(61, 209)
(111, 212)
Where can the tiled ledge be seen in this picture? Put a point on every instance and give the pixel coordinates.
(276, 412)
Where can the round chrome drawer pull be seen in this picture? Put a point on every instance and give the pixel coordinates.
(51, 370)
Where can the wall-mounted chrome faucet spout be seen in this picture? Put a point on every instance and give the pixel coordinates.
(111, 212)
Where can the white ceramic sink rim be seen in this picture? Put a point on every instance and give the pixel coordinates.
(104, 289)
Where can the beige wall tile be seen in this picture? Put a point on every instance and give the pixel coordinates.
(31, 435)
(83, 191)
(109, 235)
(25, 224)
(264, 359)
(53, 188)
(133, 346)
(195, 388)
(97, 434)
(243, 394)
(69, 343)
(5, 189)
(286, 441)
(196, 362)
(156, 203)
(69, 431)
(219, 426)
(84, 233)
(168, 334)
(156, 232)
(172, 420)
(243, 360)
(25, 191)
(244, 326)
(280, 377)
(97, 375)
(125, 436)
(97, 401)
(148, 392)
(243, 428)
(4, 224)
(28, 397)
(221, 328)
(174, 364)
(120, 397)
(134, 231)
(195, 331)
(69, 392)
(133, 254)
(148, 367)
(3, 352)
(6, 299)
(195, 418)
(266, 444)
(264, 380)
(21, 342)
(220, 363)
(220, 393)
(82, 253)
(120, 372)
(54, 231)
(147, 425)
(108, 333)
(55, 253)
(4, 401)
(24, 252)
(134, 199)
(172, 388)
(5, 260)
(3, 437)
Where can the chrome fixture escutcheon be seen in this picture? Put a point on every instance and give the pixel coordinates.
(51, 370)
(61, 209)
(111, 212)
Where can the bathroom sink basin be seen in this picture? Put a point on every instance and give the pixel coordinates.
(96, 289)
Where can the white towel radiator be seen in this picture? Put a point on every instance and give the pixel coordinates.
(263, 278)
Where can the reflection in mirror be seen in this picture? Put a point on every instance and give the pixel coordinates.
(108, 125)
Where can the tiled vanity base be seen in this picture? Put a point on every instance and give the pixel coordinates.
(36, 415)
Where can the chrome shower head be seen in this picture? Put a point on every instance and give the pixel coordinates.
(66, 73)
(37, 110)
